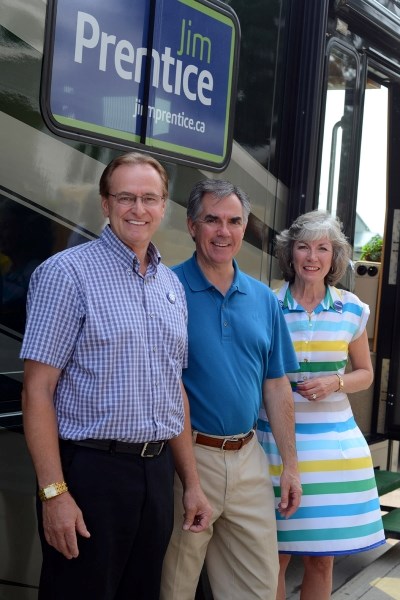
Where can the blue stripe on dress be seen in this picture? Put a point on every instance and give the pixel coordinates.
(313, 428)
(319, 444)
(347, 326)
(337, 510)
(317, 428)
(352, 308)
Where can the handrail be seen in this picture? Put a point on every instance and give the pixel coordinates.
(332, 164)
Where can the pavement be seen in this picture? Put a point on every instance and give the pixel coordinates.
(379, 581)
(372, 575)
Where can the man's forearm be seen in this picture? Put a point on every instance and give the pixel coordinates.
(42, 440)
(40, 424)
(182, 449)
(197, 510)
(278, 403)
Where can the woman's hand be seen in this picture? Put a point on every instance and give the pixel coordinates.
(318, 388)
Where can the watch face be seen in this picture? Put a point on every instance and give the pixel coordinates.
(50, 491)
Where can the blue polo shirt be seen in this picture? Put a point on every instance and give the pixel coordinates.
(236, 341)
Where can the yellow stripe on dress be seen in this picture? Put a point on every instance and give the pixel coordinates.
(321, 346)
(313, 466)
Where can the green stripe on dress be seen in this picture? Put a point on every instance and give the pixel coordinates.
(342, 487)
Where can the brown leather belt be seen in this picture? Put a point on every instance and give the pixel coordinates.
(228, 443)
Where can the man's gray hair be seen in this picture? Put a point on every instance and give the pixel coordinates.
(218, 188)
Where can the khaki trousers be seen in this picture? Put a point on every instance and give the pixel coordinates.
(239, 547)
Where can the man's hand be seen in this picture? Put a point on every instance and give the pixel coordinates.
(62, 520)
(197, 509)
(290, 493)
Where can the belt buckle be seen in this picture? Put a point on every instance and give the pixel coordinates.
(231, 439)
(147, 453)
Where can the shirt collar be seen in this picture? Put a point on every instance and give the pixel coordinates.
(335, 299)
(199, 283)
(332, 300)
(124, 253)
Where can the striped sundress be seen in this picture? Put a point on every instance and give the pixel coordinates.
(339, 511)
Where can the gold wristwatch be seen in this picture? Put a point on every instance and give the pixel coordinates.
(52, 490)
(341, 382)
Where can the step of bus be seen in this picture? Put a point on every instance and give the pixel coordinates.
(391, 524)
(386, 481)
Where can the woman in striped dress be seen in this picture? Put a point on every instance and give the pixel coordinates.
(339, 511)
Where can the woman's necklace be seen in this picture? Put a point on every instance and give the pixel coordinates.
(310, 313)
(309, 307)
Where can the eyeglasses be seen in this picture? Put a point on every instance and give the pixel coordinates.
(148, 200)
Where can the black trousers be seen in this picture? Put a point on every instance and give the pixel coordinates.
(127, 505)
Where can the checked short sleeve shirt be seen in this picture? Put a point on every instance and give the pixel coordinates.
(119, 338)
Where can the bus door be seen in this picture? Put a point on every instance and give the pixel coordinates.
(359, 182)
(387, 384)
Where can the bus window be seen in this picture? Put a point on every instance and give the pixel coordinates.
(372, 184)
(336, 181)
(371, 200)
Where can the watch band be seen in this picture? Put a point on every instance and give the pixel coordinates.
(52, 490)
(341, 382)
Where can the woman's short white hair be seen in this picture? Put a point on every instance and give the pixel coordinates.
(310, 227)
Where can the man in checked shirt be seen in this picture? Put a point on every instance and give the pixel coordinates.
(104, 408)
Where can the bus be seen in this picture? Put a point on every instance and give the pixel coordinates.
(316, 125)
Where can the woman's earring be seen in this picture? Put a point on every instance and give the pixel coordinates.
(290, 265)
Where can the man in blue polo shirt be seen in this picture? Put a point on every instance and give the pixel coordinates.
(239, 351)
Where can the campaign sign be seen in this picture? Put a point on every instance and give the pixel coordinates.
(155, 74)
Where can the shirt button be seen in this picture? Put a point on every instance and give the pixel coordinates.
(225, 323)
